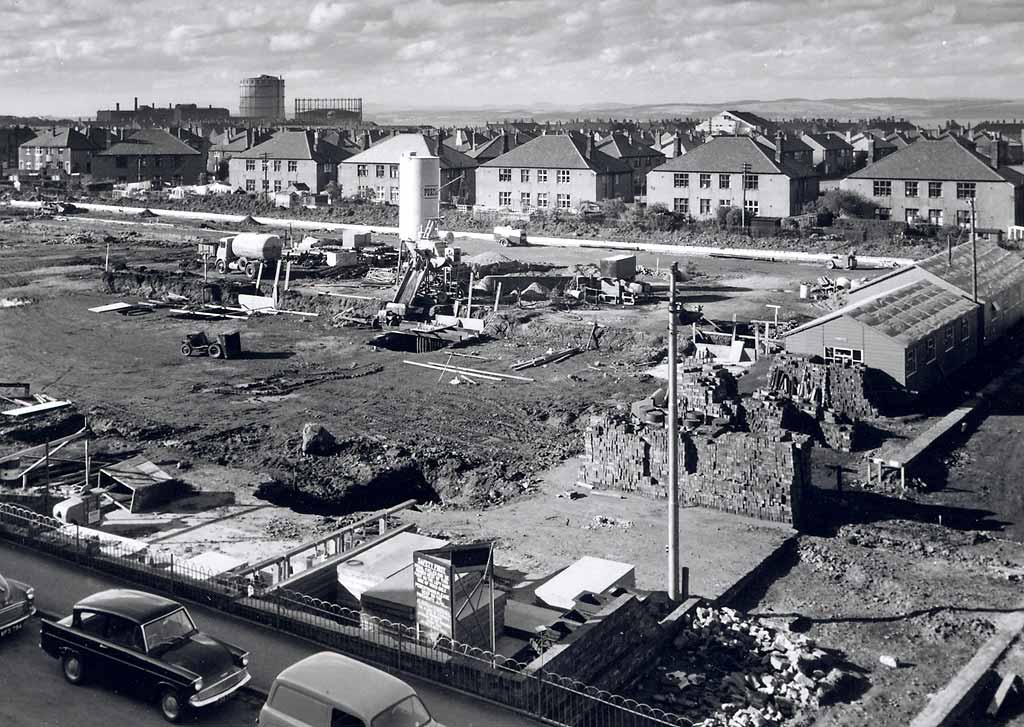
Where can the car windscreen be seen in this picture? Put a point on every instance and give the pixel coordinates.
(410, 712)
(168, 629)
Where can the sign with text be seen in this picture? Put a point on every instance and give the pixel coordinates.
(432, 579)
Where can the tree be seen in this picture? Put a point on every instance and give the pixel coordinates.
(845, 203)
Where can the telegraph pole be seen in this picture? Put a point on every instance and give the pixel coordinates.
(974, 254)
(266, 175)
(673, 454)
(743, 185)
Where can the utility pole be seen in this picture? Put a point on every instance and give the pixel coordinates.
(743, 184)
(673, 434)
(974, 254)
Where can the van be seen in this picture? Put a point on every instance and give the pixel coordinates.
(332, 690)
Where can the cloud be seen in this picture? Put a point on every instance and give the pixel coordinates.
(291, 41)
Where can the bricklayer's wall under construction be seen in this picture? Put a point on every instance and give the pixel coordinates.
(755, 474)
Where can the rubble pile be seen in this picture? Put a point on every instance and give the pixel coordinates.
(745, 674)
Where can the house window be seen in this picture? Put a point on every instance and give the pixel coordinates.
(963, 218)
(929, 350)
(250, 185)
(394, 195)
(705, 207)
(884, 213)
(844, 355)
(965, 330)
(380, 171)
(910, 189)
(363, 191)
(750, 181)
(504, 175)
(934, 189)
(542, 175)
(378, 192)
(947, 337)
(277, 165)
(751, 206)
(636, 163)
(277, 185)
(680, 179)
(264, 165)
(935, 217)
(562, 176)
(524, 175)
(122, 163)
(293, 166)
(725, 203)
(542, 199)
(681, 206)
(266, 185)
(911, 360)
(724, 180)
(882, 188)
(563, 202)
(524, 200)
(705, 181)
(504, 199)
(360, 169)
(965, 190)
(910, 215)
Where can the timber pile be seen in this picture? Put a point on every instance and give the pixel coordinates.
(837, 386)
(758, 475)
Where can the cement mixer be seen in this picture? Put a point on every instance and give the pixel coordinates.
(244, 252)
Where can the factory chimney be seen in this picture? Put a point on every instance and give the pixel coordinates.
(136, 103)
(117, 106)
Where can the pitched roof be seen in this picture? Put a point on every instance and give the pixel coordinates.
(391, 149)
(751, 119)
(297, 145)
(621, 146)
(829, 142)
(789, 144)
(941, 159)
(559, 151)
(149, 142)
(231, 141)
(998, 269)
(728, 154)
(65, 138)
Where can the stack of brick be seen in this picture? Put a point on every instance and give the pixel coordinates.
(839, 435)
(839, 386)
(618, 454)
(767, 413)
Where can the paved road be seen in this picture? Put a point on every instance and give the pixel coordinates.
(36, 695)
(59, 584)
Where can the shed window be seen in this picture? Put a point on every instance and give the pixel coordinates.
(965, 330)
(929, 350)
(947, 337)
(911, 360)
(837, 355)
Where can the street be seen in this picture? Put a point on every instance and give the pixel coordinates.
(36, 695)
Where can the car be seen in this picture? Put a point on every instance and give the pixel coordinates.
(17, 604)
(148, 643)
(329, 689)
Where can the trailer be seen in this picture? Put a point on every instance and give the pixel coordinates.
(227, 345)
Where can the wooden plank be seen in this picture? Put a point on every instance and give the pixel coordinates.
(453, 369)
(920, 444)
(491, 373)
(36, 409)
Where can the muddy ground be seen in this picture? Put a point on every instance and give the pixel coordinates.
(488, 456)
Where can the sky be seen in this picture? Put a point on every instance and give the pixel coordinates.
(72, 57)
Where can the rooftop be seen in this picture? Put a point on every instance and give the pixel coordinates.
(941, 159)
(911, 312)
(559, 151)
(66, 138)
(295, 145)
(827, 141)
(997, 268)
(389, 150)
(621, 146)
(728, 154)
(149, 142)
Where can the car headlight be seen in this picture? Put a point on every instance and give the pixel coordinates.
(30, 593)
(245, 660)
(198, 684)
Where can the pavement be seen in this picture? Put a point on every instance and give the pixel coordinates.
(60, 584)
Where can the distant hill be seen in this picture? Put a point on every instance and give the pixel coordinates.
(926, 112)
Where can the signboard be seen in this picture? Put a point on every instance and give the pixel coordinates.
(433, 583)
(454, 589)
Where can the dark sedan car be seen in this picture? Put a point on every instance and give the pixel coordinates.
(17, 604)
(148, 644)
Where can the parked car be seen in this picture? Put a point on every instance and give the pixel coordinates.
(150, 643)
(332, 690)
(17, 604)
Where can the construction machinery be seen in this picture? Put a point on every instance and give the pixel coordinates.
(244, 252)
(227, 345)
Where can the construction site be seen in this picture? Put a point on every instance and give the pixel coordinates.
(618, 467)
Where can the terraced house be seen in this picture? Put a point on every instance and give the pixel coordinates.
(732, 171)
(935, 182)
(553, 172)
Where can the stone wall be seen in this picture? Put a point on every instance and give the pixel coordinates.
(754, 474)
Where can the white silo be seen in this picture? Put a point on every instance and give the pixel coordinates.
(418, 180)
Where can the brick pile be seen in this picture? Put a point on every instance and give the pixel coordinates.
(704, 392)
(758, 475)
(766, 413)
(845, 437)
(838, 386)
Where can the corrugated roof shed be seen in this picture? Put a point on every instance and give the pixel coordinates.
(941, 159)
(998, 269)
(559, 151)
(911, 312)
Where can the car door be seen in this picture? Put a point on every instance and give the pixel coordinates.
(91, 627)
(130, 670)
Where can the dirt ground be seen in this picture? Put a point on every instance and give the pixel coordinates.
(493, 458)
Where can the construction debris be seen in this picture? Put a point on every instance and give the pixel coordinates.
(551, 357)
(487, 375)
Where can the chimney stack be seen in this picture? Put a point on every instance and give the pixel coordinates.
(995, 153)
(778, 147)
(136, 103)
(366, 140)
(440, 140)
(117, 106)
(504, 142)
(871, 149)
(677, 146)
(590, 144)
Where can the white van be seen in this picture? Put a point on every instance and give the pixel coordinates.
(332, 690)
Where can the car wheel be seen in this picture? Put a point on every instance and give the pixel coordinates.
(186, 350)
(74, 670)
(171, 706)
(831, 265)
(215, 351)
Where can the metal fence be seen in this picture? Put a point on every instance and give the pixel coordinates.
(540, 694)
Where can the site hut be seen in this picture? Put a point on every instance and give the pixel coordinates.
(934, 182)
(553, 171)
(917, 333)
(57, 150)
(287, 158)
(1000, 290)
(713, 176)
(149, 155)
(373, 173)
(639, 156)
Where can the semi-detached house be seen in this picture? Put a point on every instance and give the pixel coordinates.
(287, 159)
(935, 182)
(553, 171)
(732, 171)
